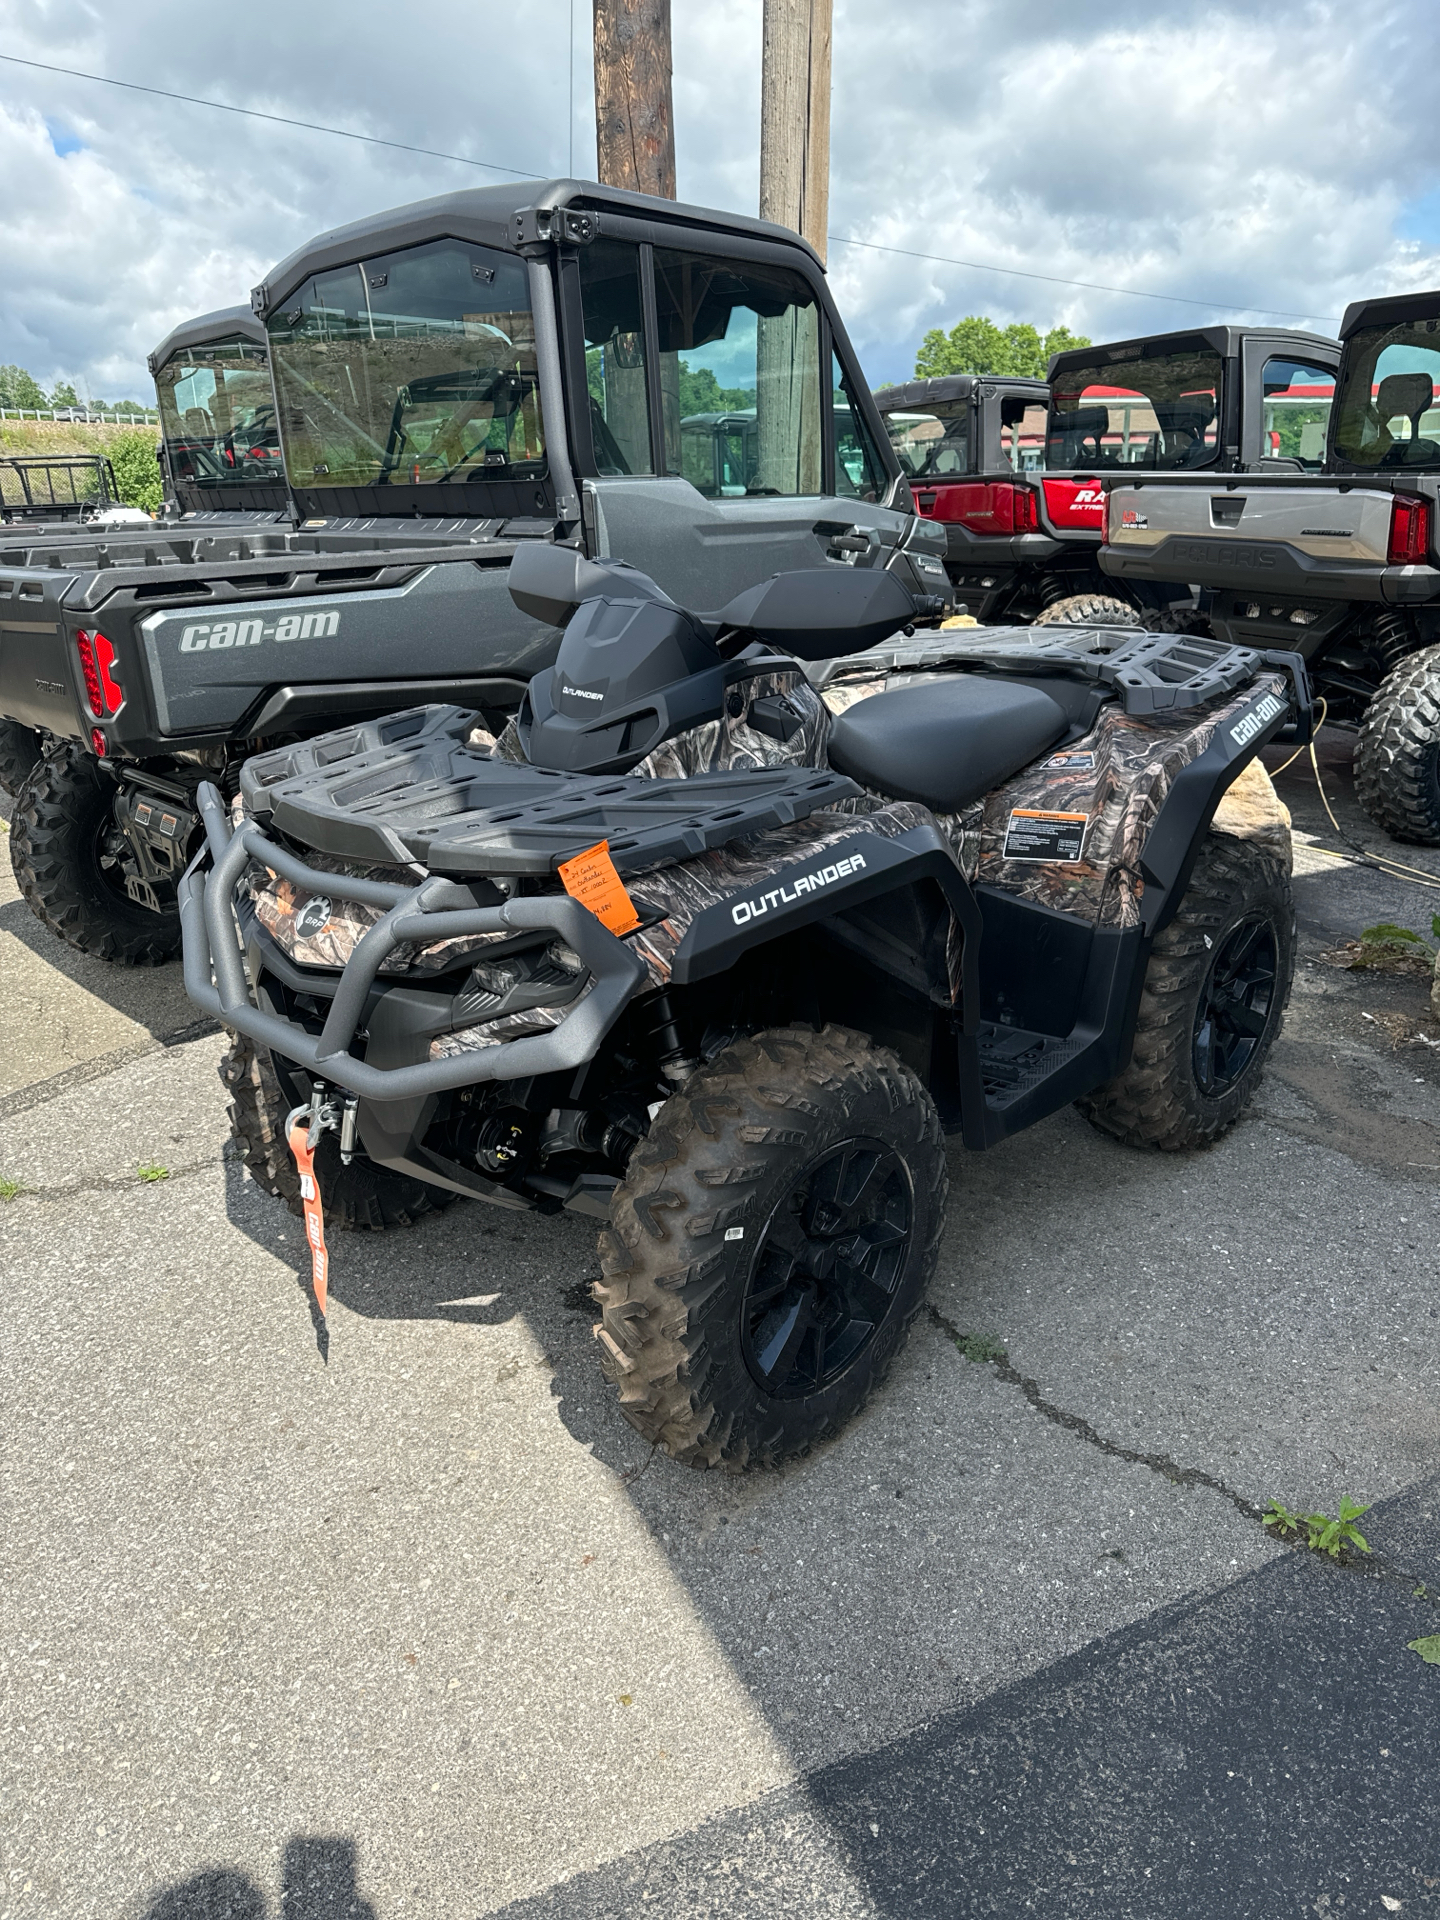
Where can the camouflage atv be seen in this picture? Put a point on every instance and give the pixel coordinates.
(718, 950)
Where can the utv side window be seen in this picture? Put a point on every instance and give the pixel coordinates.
(739, 348)
(859, 473)
(1022, 436)
(1386, 414)
(1296, 399)
(615, 356)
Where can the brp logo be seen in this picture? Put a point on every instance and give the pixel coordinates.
(313, 917)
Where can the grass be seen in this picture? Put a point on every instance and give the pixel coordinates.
(981, 1348)
(151, 1174)
(11, 1189)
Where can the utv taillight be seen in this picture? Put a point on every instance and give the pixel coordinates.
(97, 661)
(1025, 513)
(1409, 530)
(986, 506)
(99, 743)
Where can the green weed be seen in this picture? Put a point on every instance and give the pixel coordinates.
(151, 1174)
(1319, 1532)
(1428, 1648)
(981, 1348)
(11, 1189)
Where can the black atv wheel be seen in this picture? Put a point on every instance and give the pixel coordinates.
(1397, 753)
(21, 750)
(769, 1246)
(1089, 610)
(1214, 996)
(62, 849)
(358, 1198)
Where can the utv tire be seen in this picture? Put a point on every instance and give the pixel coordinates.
(57, 838)
(356, 1198)
(769, 1246)
(1397, 753)
(21, 750)
(1210, 1009)
(1089, 610)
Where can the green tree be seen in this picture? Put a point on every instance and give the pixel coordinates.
(64, 395)
(137, 472)
(977, 344)
(20, 389)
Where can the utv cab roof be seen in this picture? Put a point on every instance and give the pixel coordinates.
(492, 217)
(205, 330)
(1394, 310)
(954, 386)
(1225, 341)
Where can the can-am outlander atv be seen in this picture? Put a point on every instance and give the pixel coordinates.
(453, 379)
(719, 961)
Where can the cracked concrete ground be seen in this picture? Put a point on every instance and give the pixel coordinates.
(427, 1631)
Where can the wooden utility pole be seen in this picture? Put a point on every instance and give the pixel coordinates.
(634, 113)
(795, 117)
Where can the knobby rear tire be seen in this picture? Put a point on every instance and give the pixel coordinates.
(1397, 752)
(1158, 1101)
(61, 816)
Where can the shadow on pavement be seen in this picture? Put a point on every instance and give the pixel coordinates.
(317, 1883)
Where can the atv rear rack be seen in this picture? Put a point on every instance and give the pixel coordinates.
(436, 909)
(1150, 673)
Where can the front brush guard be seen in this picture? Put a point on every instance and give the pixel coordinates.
(434, 910)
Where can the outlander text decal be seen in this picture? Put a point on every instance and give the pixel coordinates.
(787, 896)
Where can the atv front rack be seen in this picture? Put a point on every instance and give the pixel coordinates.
(436, 909)
(1149, 673)
(410, 788)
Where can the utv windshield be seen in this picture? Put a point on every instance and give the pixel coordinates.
(932, 444)
(412, 369)
(1162, 412)
(1385, 413)
(217, 416)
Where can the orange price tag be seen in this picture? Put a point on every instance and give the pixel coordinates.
(591, 879)
(314, 1213)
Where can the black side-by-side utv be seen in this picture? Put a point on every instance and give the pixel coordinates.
(719, 958)
(453, 380)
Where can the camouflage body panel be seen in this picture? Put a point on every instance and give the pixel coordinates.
(680, 893)
(1135, 762)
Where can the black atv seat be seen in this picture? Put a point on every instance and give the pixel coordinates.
(945, 744)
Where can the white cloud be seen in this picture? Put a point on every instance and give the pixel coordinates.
(1216, 151)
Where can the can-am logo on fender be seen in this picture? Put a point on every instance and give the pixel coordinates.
(322, 624)
(1249, 724)
(748, 910)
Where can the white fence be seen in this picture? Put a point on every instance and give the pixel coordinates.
(79, 415)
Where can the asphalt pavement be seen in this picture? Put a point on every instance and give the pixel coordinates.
(421, 1628)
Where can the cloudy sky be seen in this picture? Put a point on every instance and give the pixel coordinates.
(1220, 154)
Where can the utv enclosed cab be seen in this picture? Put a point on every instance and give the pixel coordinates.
(220, 443)
(1215, 399)
(451, 379)
(1330, 542)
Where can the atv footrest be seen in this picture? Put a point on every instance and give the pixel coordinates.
(1014, 1061)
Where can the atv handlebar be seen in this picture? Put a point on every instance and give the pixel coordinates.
(433, 910)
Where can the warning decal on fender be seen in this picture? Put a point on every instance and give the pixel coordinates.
(1032, 835)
